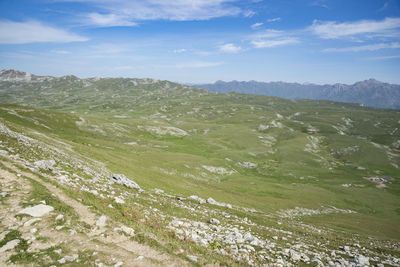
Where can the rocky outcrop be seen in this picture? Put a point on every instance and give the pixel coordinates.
(45, 164)
(123, 180)
(37, 211)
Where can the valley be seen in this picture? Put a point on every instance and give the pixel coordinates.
(161, 173)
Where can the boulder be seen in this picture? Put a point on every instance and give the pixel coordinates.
(45, 164)
(212, 201)
(361, 260)
(127, 230)
(196, 198)
(119, 200)
(10, 245)
(214, 221)
(101, 222)
(294, 255)
(37, 211)
(123, 180)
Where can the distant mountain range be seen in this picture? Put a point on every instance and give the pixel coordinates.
(370, 92)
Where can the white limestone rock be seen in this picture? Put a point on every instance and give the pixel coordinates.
(123, 180)
(37, 211)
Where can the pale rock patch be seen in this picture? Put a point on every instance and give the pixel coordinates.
(37, 211)
(10, 245)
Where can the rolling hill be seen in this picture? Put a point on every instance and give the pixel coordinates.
(177, 175)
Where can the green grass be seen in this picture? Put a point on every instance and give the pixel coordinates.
(222, 132)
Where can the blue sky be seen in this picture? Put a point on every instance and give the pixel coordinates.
(196, 41)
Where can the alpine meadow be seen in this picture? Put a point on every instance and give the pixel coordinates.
(179, 170)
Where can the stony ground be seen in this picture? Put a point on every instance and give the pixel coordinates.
(134, 172)
(46, 236)
(50, 237)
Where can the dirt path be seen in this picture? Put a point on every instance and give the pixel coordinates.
(110, 242)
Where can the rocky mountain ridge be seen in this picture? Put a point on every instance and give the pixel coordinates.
(370, 92)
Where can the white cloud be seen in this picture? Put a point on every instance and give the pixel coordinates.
(389, 27)
(274, 19)
(178, 51)
(385, 57)
(272, 38)
(198, 64)
(320, 3)
(179, 10)
(61, 52)
(372, 47)
(274, 43)
(249, 13)
(34, 32)
(256, 25)
(230, 48)
(108, 20)
(269, 33)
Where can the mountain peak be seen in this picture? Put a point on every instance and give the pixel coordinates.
(14, 75)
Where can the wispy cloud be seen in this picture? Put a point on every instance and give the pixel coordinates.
(179, 10)
(272, 38)
(249, 13)
(274, 19)
(34, 32)
(269, 33)
(229, 48)
(384, 7)
(179, 51)
(274, 43)
(198, 64)
(384, 57)
(371, 47)
(320, 3)
(107, 20)
(256, 25)
(389, 27)
(61, 52)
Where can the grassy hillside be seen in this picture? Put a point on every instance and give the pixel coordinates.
(299, 164)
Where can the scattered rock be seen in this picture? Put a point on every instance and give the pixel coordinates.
(192, 258)
(218, 170)
(158, 191)
(37, 211)
(10, 245)
(247, 164)
(68, 259)
(140, 258)
(212, 201)
(101, 222)
(214, 221)
(294, 255)
(119, 200)
(45, 164)
(59, 217)
(127, 230)
(123, 180)
(164, 130)
(31, 221)
(199, 199)
(361, 260)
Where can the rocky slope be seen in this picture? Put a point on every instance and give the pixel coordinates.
(145, 172)
(55, 228)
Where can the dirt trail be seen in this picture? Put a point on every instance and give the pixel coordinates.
(108, 241)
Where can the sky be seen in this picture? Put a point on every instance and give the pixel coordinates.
(201, 41)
